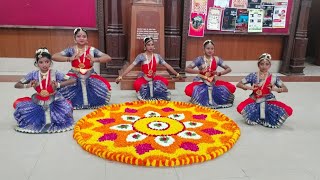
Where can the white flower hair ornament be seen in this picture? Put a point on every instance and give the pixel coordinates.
(79, 29)
(147, 39)
(40, 51)
(76, 29)
(265, 57)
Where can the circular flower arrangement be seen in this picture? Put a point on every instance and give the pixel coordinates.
(156, 133)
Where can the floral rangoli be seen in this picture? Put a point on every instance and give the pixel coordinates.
(156, 133)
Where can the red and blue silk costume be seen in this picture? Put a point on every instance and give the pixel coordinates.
(90, 90)
(149, 85)
(214, 94)
(44, 114)
(262, 107)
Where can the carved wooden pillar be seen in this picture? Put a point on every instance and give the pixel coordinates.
(185, 28)
(173, 33)
(298, 56)
(115, 46)
(100, 24)
(313, 33)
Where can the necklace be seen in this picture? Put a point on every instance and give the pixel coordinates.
(262, 75)
(43, 91)
(43, 75)
(259, 90)
(207, 62)
(149, 64)
(81, 63)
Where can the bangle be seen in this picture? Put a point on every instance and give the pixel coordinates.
(280, 90)
(58, 85)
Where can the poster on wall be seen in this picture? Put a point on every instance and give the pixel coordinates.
(240, 4)
(214, 19)
(242, 20)
(255, 20)
(267, 2)
(279, 16)
(273, 2)
(280, 2)
(221, 3)
(199, 6)
(196, 25)
(268, 16)
(229, 19)
(254, 4)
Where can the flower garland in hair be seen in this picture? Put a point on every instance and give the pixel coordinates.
(77, 29)
(42, 50)
(208, 41)
(147, 39)
(265, 56)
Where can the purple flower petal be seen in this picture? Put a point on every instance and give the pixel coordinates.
(108, 137)
(143, 148)
(128, 110)
(212, 131)
(167, 109)
(189, 146)
(106, 121)
(200, 116)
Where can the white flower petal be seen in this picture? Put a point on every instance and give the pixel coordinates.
(122, 127)
(164, 140)
(190, 124)
(134, 137)
(152, 114)
(158, 125)
(189, 135)
(130, 118)
(177, 117)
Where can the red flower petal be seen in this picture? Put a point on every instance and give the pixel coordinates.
(167, 109)
(106, 121)
(108, 137)
(200, 116)
(128, 110)
(212, 131)
(143, 148)
(189, 146)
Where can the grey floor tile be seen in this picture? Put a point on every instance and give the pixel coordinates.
(124, 172)
(279, 174)
(62, 158)
(221, 167)
(19, 154)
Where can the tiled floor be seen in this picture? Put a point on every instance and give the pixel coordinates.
(288, 153)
